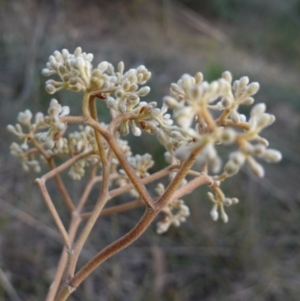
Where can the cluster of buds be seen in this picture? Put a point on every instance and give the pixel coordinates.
(198, 116)
(175, 212)
(140, 164)
(76, 73)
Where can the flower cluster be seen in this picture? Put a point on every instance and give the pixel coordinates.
(140, 164)
(175, 212)
(198, 117)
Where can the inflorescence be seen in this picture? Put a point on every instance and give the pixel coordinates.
(196, 115)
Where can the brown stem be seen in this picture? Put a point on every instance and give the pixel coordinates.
(123, 162)
(117, 120)
(75, 222)
(87, 189)
(94, 115)
(61, 186)
(183, 171)
(65, 165)
(115, 247)
(52, 209)
(115, 209)
(72, 119)
(149, 179)
(59, 183)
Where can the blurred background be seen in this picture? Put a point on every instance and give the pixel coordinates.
(253, 257)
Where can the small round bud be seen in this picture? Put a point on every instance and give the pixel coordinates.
(121, 67)
(231, 168)
(102, 67)
(224, 217)
(256, 168)
(272, 156)
(198, 78)
(258, 109)
(247, 101)
(143, 91)
(214, 214)
(226, 102)
(227, 76)
(253, 88)
(50, 89)
(228, 136)
(244, 81)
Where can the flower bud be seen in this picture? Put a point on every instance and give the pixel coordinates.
(226, 102)
(143, 91)
(50, 89)
(198, 78)
(228, 136)
(214, 213)
(231, 168)
(256, 168)
(102, 67)
(252, 88)
(272, 156)
(258, 109)
(227, 76)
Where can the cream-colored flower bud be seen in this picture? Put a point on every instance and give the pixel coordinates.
(224, 216)
(47, 72)
(244, 81)
(235, 116)
(235, 85)
(89, 57)
(226, 102)
(171, 102)
(65, 54)
(227, 202)
(50, 89)
(272, 156)
(122, 107)
(265, 120)
(58, 56)
(143, 91)
(213, 87)
(80, 62)
(77, 51)
(231, 168)
(186, 82)
(12, 129)
(262, 141)
(227, 76)
(238, 158)
(214, 213)
(102, 67)
(259, 149)
(256, 168)
(184, 117)
(155, 112)
(136, 131)
(258, 109)
(62, 69)
(247, 101)
(198, 78)
(121, 67)
(111, 103)
(252, 88)
(60, 143)
(124, 128)
(228, 136)
(234, 201)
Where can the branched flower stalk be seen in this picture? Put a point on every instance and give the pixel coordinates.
(194, 121)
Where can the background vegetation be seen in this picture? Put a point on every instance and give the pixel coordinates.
(253, 257)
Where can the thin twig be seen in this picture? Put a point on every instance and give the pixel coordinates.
(52, 209)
